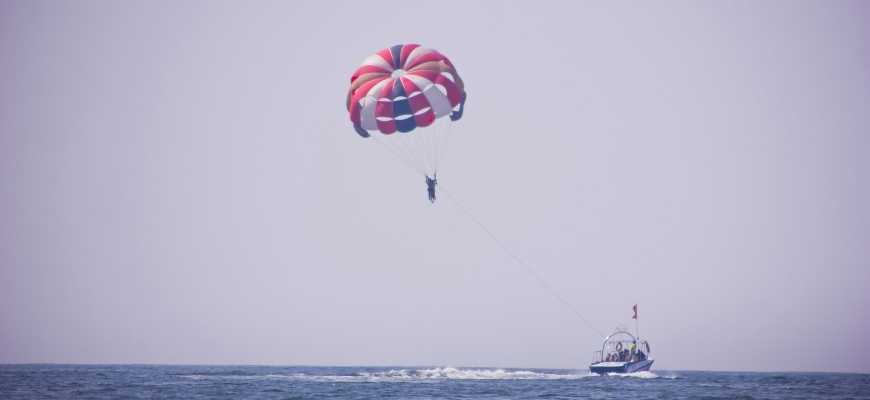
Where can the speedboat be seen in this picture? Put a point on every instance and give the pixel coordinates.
(621, 352)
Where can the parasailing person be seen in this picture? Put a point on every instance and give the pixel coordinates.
(430, 186)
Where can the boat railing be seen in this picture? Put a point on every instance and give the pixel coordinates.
(597, 356)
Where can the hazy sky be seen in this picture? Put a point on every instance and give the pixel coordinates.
(179, 183)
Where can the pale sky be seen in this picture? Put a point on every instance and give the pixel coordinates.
(180, 183)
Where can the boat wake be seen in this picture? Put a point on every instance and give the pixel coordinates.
(408, 375)
(641, 375)
(468, 374)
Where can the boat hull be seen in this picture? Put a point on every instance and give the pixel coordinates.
(620, 367)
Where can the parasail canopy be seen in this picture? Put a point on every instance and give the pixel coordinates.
(402, 88)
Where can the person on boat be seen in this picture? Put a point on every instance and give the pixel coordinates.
(430, 186)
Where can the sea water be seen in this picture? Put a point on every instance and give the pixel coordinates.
(273, 382)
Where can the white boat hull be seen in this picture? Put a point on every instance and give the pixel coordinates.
(622, 367)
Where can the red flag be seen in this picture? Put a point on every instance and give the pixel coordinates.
(635, 312)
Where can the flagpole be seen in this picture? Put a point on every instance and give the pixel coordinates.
(637, 327)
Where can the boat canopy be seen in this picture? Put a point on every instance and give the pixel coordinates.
(621, 346)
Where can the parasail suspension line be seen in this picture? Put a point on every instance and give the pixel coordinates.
(519, 261)
(401, 159)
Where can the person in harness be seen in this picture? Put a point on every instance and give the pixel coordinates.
(430, 186)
